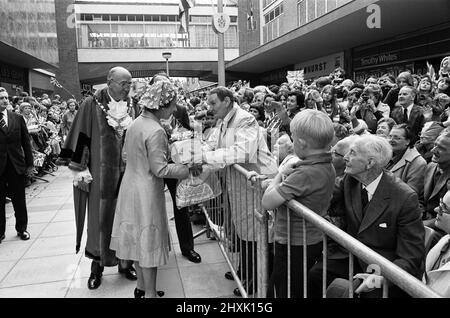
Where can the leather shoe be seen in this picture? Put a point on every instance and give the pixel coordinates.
(24, 235)
(193, 256)
(94, 281)
(130, 273)
(138, 293)
(229, 276)
(249, 289)
(2, 237)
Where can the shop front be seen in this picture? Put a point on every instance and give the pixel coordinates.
(322, 66)
(14, 79)
(409, 53)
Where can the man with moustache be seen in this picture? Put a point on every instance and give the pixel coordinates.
(16, 161)
(94, 147)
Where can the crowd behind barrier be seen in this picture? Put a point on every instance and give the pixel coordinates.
(301, 168)
(408, 116)
(218, 215)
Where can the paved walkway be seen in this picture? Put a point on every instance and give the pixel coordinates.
(47, 266)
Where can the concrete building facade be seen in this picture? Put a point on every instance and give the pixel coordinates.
(28, 46)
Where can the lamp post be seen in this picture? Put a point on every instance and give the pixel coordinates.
(167, 56)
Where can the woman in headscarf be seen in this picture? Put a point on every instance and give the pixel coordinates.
(141, 231)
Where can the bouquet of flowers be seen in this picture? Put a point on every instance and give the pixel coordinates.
(186, 147)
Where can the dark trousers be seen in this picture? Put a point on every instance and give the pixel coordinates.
(182, 221)
(97, 269)
(279, 277)
(14, 184)
(338, 268)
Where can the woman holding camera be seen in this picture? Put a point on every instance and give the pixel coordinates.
(370, 108)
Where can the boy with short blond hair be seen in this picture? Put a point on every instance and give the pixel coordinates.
(310, 182)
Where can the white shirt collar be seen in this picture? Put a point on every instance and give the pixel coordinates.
(372, 187)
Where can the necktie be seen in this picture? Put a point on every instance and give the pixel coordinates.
(405, 115)
(364, 199)
(2, 122)
(436, 176)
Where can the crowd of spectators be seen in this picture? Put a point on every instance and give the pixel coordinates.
(48, 122)
(394, 129)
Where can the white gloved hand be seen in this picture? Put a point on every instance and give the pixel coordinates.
(81, 176)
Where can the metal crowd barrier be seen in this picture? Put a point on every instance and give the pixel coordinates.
(241, 227)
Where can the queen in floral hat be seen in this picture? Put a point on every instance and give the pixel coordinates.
(141, 231)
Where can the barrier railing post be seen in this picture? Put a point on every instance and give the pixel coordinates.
(288, 252)
(350, 275)
(305, 261)
(324, 267)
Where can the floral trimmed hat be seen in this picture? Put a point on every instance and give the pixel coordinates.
(158, 95)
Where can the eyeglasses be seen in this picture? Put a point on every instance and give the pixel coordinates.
(443, 208)
(397, 138)
(123, 83)
(334, 152)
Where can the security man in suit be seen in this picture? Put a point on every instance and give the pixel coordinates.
(16, 161)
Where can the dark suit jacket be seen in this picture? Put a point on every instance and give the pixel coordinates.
(433, 192)
(182, 116)
(415, 120)
(15, 144)
(392, 224)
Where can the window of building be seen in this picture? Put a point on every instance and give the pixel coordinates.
(277, 11)
(273, 14)
(331, 5)
(147, 18)
(139, 17)
(114, 17)
(311, 10)
(122, 17)
(105, 17)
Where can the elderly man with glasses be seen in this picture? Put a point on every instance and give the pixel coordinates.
(380, 211)
(94, 148)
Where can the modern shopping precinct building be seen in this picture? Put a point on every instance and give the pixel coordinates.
(135, 33)
(365, 37)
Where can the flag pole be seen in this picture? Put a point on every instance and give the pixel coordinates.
(221, 50)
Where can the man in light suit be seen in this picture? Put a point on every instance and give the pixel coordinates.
(238, 140)
(437, 265)
(409, 113)
(16, 161)
(379, 210)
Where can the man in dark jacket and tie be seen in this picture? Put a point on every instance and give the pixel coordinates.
(407, 112)
(16, 161)
(380, 211)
